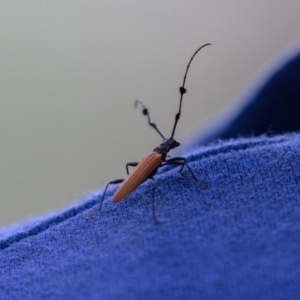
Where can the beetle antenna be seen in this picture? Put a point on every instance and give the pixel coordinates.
(183, 90)
(145, 112)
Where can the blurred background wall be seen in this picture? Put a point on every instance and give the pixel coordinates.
(70, 71)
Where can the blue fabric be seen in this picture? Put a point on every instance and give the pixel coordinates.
(272, 107)
(239, 238)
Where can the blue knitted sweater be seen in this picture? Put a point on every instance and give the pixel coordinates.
(238, 238)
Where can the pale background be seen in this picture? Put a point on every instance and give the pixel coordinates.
(70, 71)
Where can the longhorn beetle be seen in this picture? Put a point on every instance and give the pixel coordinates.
(149, 165)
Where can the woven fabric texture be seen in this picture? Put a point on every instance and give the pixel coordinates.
(238, 238)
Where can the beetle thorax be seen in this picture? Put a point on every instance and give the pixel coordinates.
(166, 146)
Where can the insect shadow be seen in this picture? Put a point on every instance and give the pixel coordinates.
(148, 166)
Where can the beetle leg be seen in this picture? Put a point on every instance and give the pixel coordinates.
(132, 164)
(102, 199)
(176, 159)
(181, 161)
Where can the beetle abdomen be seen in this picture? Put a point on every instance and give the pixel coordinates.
(141, 172)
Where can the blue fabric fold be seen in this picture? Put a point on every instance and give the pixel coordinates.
(238, 238)
(270, 107)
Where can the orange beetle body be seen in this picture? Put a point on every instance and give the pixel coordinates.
(146, 166)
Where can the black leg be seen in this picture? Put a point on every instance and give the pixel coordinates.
(176, 159)
(132, 164)
(181, 161)
(102, 199)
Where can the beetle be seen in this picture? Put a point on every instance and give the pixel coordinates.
(148, 166)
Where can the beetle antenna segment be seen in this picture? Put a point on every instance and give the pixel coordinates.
(182, 88)
(145, 112)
